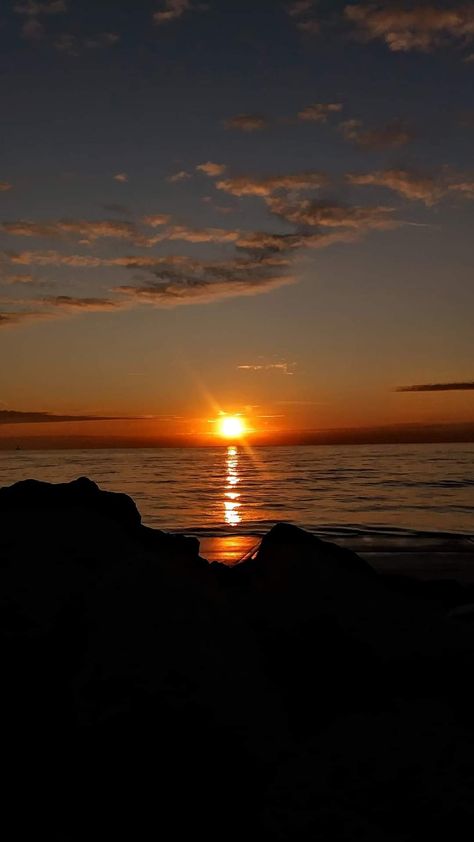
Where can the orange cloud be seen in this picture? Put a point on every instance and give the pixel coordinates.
(211, 169)
(263, 187)
(411, 185)
(89, 229)
(319, 111)
(332, 215)
(413, 26)
(390, 136)
(174, 9)
(68, 302)
(247, 122)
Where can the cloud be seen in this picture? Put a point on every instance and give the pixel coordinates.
(156, 220)
(74, 46)
(319, 112)
(19, 279)
(312, 26)
(264, 187)
(86, 261)
(266, 241)
(390, 136)
(33, 8)
(247, 122)
(8, 318)
(11, 416)
(302, 11)
(5, 186)
(174, 9)
(439, 387)
(89, 229)
(283, 368)
(211, 169)
(172, 294)
(33, 29)
(413, 26)
(182, 175)
(198, 235)
(465, 188)
(300, 7)
(200, 282)
(121, 176)
(411, 185)
(332, 214)
(69, 302)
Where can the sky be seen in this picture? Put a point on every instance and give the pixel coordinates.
(261, 209)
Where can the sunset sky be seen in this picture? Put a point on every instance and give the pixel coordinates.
(258, 208)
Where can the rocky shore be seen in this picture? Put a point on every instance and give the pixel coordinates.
(149, 694)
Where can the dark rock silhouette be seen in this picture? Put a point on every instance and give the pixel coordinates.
(147, 694)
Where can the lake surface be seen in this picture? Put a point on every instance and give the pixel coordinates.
(229, 491)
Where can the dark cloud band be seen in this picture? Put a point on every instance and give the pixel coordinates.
(439, 387)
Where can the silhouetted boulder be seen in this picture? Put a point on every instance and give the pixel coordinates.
(81, 493)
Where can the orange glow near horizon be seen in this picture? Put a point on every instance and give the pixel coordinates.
(231, 427)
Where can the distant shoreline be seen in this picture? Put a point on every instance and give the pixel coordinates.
(390, 434)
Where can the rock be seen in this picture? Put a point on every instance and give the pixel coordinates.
(144, 689)
(82, 493)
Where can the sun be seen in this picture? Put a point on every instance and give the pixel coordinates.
(231, 427)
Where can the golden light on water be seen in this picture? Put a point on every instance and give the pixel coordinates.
(231, 496)
(231, 427)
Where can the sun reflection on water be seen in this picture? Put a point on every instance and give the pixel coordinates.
(231, 496)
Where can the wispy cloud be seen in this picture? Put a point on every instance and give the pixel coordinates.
(247, 122)
(12, 416)
(26, 278)
(264, 186)
(411, 185)
(429, 189)
(332, 214)
(5, 186)
(173, 294)
(121, 177)
(300, 7)
(413, 26)
(32, 8)
(33, 29)
(72, 45)
(211, 169)
(197, 235)
(68, 302)
(175, 9)
(16, 317)
(88, 229)
(303, 13)
(182, 175)
(282, 368)
(200, 282)
(390, 136)
(319, 112)
(439, 387)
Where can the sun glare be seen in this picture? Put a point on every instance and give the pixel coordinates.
(231, 427)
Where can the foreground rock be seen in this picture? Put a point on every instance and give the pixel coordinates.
(148, 694)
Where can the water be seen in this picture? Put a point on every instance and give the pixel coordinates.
(352, 492)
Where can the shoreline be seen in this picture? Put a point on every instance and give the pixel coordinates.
(431, 562)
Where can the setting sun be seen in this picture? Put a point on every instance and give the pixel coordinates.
(231, 427)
